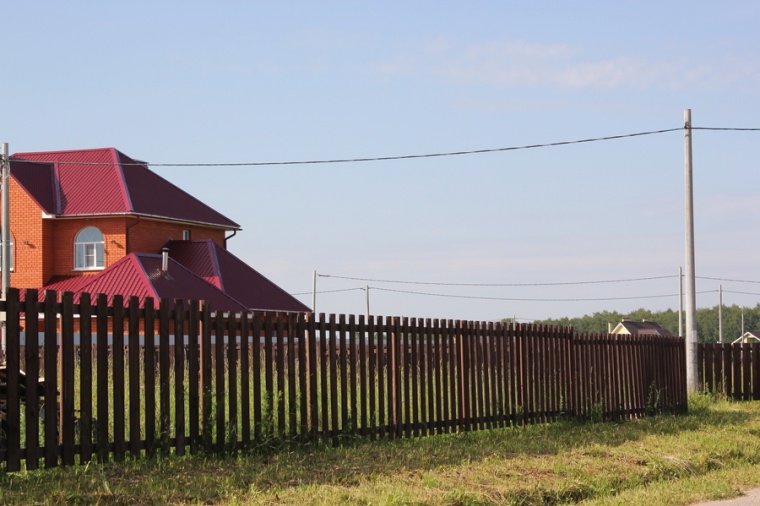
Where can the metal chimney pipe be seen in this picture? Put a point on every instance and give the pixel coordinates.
(164, 260)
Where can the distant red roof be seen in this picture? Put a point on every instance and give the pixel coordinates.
(106, 182)
(224, 270)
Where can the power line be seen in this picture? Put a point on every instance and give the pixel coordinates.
(727, 129)
(378, 158)
(495, 284)
(401, 157)
(740, 293)
(728, 280)
(515, 299)
(329, 291)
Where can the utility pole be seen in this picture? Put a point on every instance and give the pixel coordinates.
(5, 247)
(314, 292)
(720, 313)
(692, 383)
(680, 301)
(367, 291)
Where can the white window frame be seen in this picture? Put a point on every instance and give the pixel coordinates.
(89, 250)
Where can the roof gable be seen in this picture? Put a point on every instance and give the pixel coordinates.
(38, 180)
(104, 182)
(227, 272)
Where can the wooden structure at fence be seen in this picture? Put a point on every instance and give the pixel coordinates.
(147, 380)
(730, 369)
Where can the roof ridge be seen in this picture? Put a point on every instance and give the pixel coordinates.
(64, 151)
(145, 279)
(215, 264)
(126, 195)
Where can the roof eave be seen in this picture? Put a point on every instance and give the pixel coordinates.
(142, 215)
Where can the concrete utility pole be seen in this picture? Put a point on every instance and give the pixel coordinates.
(680, 301)
(5, 248)
(367, 294)
(720, 313)
(692, 383)
(314, 292)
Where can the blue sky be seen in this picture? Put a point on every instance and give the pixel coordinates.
(231, 82)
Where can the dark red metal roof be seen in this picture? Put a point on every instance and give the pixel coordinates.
(140, 275)
(224, 270)
(105, 181)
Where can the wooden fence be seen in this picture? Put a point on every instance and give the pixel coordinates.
(730, 369)
(150, 380)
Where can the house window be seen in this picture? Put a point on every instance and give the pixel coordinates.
(1, 251)
(88, 249)
(186, 235)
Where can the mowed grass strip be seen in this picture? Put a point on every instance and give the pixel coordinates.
(711, 453)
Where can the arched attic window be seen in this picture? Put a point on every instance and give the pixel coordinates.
(88, 249)
(1, 250)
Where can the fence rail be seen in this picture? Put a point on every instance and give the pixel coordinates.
(177, 377)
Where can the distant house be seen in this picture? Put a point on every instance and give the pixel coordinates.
(628, 327)
(748, 337)
(98, 221)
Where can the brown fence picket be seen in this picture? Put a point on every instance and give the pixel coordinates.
(32, 364)
(85, 377)
(755, 347)
(150, 375)
(363, 388)
(353, 376)
(332, 346)
(256, 372)
(303, 374)
(12, 380)
(416, 369)
(67, 379)
(163, 375)
(736, 357)
(219, 383)
(428, 380)
(193, 369)
(133, 372)
(343, 368)
(311, 340)
(206, 378)
(323, 377)
(268, 417)
(291, 366)
(380, 364)
(179, 378)
(232, 387)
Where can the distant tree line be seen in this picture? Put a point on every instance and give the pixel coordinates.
(707, 321)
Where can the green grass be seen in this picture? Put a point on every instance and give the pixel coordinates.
(711, 453)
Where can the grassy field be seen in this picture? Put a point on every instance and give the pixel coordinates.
(711, 453)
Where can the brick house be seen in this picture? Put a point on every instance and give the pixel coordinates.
(99, 221)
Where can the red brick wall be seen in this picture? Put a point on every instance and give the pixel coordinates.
(43, 248)
(65, 231)
(149, 236)
(28, 237)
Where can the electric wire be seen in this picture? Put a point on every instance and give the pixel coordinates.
(516, 299)
(728, 280)
(433, 283)
(377, 158)
(401, 157)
